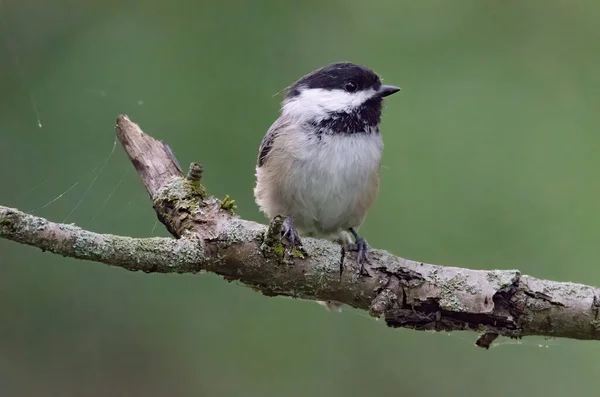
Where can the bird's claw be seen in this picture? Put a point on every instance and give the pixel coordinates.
(361, 248)
(290, 233)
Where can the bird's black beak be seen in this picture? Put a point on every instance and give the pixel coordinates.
(386, 90)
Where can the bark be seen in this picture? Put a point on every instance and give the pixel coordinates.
(208, 236)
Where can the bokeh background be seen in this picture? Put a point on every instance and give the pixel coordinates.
(491, 161)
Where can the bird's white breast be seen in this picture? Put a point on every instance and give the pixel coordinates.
(334, 180)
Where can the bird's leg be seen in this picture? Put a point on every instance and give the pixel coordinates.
(291, 234)
(362, 251)
(343, 256)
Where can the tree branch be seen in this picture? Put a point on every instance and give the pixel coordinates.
(210, 237)
(150, 255)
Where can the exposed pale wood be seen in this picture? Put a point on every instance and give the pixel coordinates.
(153, 160)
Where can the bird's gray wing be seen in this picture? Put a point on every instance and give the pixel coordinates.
(268, 141)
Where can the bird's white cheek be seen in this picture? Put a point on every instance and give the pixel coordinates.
(317, 103)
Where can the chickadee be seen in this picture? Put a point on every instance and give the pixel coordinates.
(318, 165)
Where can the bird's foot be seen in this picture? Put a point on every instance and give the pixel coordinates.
(289, 232)
(361, 248)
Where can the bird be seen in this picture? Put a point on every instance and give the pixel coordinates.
(318, 164)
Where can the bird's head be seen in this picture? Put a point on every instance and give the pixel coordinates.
(335, 92)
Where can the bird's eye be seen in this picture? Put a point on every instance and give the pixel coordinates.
(350, 86)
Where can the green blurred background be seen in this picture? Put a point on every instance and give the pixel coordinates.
(491, 161)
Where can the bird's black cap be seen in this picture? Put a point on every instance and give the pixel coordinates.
(342, 76)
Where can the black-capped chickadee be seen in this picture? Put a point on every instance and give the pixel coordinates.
(318, 164)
